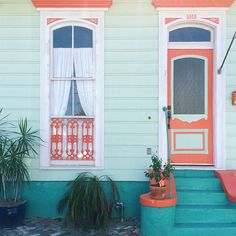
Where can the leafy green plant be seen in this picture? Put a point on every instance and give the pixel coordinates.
(15, 147)
(158, 171)
(3, 123)
(88, 203)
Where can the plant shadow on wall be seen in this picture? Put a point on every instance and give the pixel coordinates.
(17, 143)
(89, 201)
(158, 175)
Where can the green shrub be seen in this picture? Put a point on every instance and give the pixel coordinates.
(87, 203)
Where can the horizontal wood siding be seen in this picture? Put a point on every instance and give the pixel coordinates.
(131, 83)
(231, 86)
(19, 60)
(131, 87)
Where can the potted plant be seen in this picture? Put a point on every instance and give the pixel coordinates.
(15, 147)
(89, 201)
(158, 175)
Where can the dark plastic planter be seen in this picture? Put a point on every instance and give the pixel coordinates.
(12, 214)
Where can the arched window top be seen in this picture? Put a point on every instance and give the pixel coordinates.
(72, 36)
(190, 34)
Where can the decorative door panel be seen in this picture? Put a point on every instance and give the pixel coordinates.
(190, 96)
(197, 141)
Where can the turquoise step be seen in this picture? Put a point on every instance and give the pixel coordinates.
(201, 197)
(194, 173)
(213, 229)
(202, 206)
(197, 183)
(205, 214)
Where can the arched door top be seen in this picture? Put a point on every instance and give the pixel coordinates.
(190, 35)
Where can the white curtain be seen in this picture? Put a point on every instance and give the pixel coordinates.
(62, 63)
(60, 93)
(83, 61)
(86, 96)
(62, 68)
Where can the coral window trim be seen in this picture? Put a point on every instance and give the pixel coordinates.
(72, 3)
(192, 3)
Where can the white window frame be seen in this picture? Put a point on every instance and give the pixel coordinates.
(219, 42)
(71, 15)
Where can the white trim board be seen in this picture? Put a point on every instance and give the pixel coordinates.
(219, 83)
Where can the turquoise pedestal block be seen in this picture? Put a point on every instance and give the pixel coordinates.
(157, 221)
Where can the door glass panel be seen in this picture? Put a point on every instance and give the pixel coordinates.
(189, 86)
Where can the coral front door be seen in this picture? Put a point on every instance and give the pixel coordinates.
(190, 97)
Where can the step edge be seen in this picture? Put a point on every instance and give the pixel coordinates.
(219, 191)
(205, 225)
(206, 206)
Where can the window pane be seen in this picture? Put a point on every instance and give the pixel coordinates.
(60, 93)
(189, 86)
(62, 37)
(74, 107)
(78, 110)
(83, 37)
(62, 63)
(83, 52)
(190, 34)
(69, 104)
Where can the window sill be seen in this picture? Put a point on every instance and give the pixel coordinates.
(54, 167)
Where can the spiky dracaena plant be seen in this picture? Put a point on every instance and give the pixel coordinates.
(15, 147)
(3, 123)
(89, 200)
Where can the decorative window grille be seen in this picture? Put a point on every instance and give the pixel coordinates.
(72, 139)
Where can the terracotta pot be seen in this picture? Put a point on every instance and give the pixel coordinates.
(158, 192)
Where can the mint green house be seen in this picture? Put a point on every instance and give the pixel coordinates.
(93, 76)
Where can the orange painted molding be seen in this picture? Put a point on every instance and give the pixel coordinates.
(146, 200)
(191, 3)
(228, 180)
(191, 158)
(72, 3)
(169, 20)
